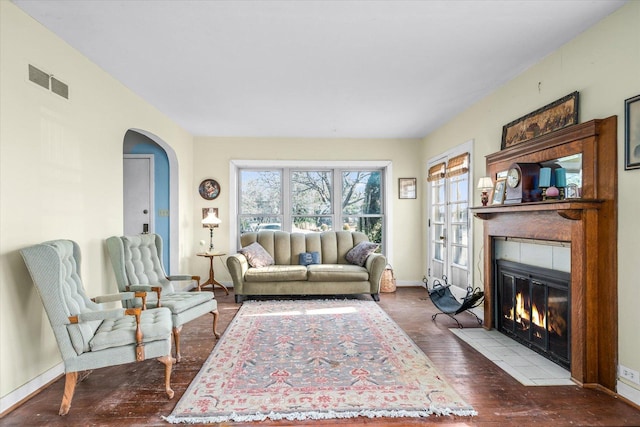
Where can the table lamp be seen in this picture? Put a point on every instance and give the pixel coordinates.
(211, 221)
(485, 184)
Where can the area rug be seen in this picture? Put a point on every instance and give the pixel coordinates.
(315, 359)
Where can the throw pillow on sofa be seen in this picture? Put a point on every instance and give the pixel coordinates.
(307, 258)
(359, 253)
(256, 255)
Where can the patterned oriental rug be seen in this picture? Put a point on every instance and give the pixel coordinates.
(315, 359)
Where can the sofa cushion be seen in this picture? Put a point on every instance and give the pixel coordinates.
(337, 273)
(256, 255)
(308, 258)
(276, 273)
(358, 255)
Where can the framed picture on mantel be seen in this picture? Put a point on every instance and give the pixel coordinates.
(632, 133)
(499, 191)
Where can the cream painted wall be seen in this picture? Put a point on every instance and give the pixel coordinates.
(603, 64)
(61, 177)
(212, 157)
(61, 167)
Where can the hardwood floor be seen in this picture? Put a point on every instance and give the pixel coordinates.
(132, 395)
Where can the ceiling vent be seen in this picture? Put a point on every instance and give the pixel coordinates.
(47, 81)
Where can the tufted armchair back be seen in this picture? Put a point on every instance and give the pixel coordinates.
(55, 269)
(136, 261)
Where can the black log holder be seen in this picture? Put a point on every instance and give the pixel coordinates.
(444, 300)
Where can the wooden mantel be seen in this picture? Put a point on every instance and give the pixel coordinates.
(569, 209)
(589, 224)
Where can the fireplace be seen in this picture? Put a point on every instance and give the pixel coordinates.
(532, 307)
(589, 224)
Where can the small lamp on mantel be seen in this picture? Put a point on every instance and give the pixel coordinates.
(211, 221)
(485, 184)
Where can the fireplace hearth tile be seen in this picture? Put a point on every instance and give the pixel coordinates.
(517, 361)
(517, 375)
(522, 363)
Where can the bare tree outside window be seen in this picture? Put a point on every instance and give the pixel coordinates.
(260, 199)
(313, 203)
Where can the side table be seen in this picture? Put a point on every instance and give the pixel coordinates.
(211, 280)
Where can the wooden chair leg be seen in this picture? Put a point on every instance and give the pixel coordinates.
(168, 362)
(69, 387)
(215, 323)
(176, 342)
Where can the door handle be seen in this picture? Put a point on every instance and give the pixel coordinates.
(145, 228)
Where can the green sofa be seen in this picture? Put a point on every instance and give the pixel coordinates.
(333, 275)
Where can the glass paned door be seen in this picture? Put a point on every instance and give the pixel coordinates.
(458, 215)
(438, 228)
(448, 210)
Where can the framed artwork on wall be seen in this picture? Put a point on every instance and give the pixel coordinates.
(551, 117)
(205, 212)
(632, 133)
(407, 188)
(209, 189)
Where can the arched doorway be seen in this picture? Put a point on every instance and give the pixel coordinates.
(165, 215)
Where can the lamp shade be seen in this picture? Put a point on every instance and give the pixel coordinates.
(211, 219)
(485, 183)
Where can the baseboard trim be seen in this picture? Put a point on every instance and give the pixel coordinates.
(628, 393)
(20, 395)
(408, 283)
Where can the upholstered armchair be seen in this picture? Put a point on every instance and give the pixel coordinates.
(88, 335)
(137, 264)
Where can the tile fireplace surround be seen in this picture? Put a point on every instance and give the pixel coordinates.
(589, 224)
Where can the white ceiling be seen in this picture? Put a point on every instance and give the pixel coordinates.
(361, 69)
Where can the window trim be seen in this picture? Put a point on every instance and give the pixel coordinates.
(385, 165)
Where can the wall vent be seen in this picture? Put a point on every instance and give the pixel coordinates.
(39, 77)
(47, 81)
(59, 88)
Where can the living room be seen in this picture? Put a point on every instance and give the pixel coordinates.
(61, 169)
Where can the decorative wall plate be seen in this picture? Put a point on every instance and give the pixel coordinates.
(209, 189)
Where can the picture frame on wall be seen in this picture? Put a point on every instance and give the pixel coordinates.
(407, 188)
(205, 212)
(632, 133)
(557, 115)
(499, 190)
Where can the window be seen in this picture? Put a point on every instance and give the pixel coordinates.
(448, 219)
(361, 203)
(312, 199)
(260, 200)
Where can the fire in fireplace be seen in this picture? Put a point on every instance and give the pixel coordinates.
(533, 308)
